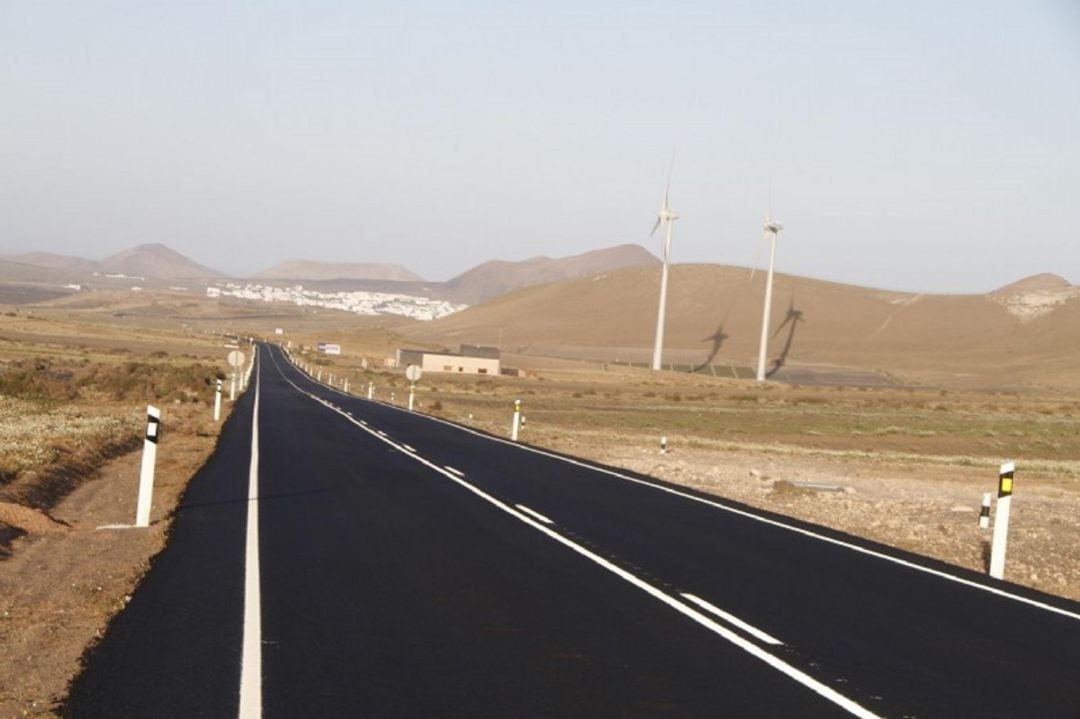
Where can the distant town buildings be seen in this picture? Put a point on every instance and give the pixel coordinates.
(362, 303)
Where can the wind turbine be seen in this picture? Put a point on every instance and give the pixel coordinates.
(665, 216)
(772, 229)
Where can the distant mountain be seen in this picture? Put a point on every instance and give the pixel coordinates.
(487, 280)
(1035, 283)
(155, 261)
(498, 276)
(54, 261)
(152, 261)
(310, 270)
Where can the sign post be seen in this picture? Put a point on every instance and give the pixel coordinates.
(236, 361)
(146, 473)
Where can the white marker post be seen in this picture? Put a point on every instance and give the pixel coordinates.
(217, 402)
(232, 387)
(345, 388)
(515, 427)
(371, 390)
(1001, 521)
(984, 513)
(412, 373)
(146, 474)
(663, 445)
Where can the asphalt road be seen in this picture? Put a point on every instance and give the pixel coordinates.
(377, 563)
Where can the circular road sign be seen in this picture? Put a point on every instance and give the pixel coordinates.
(236, 359)
(413, 372)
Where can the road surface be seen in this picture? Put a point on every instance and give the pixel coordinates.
(341, 557)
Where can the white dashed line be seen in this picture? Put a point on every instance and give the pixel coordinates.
(534, 514)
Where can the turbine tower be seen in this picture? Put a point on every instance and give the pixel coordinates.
(771, 228)
(667, 217)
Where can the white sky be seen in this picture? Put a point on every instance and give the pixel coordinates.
(916, 145)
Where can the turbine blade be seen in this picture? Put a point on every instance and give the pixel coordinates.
(654, 227)
(757, 254)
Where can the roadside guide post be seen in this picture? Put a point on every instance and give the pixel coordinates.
(1001, 520)
(146, 473)
(371, 390)
(217, 402)
(412, 373)
(515, 427)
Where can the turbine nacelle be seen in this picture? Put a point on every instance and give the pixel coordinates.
(664, 214)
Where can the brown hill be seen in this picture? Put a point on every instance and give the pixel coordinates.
(154, 261)
(492, 278)
(498, 276)
(714, 315)
(310, 270)
(54, 261)
(1035, 283)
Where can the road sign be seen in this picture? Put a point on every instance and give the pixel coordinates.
(236, 359)
(413, 372)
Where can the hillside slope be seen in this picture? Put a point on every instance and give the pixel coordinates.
(497, 277)
(714, 314)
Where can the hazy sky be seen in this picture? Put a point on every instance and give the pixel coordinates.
(917, 145)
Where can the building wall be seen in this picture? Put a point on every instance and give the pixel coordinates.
(459, 365)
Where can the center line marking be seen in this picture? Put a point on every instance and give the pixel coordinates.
(734, 621)
(411, 449)
(453, 471)
(251, 661)
(533, 513)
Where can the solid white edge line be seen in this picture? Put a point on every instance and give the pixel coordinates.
(757, 652)
(733, 620)
(534, 514)
(251, 662)
(765, 520)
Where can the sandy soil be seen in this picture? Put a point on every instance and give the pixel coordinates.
(65, 577)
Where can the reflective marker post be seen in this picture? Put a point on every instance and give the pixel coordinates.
(217, 402)
(515, 427)
(146, 474)
(984, 513)
(371, 390)
(1001, 520)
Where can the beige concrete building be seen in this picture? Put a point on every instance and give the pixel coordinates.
(448, 362)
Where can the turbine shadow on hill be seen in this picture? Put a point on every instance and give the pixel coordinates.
(791, 321)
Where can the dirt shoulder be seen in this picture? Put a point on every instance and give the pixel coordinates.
(65, 578)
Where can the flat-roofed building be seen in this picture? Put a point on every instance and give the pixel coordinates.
(448, 362)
